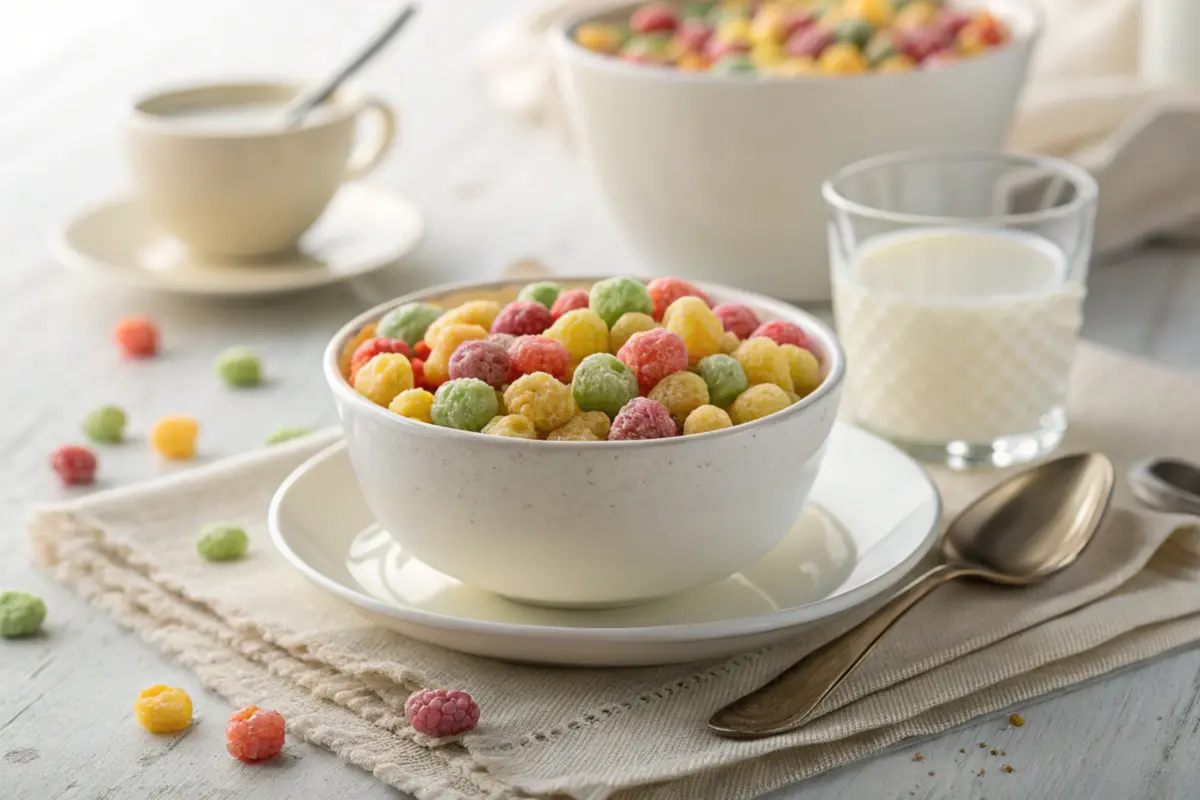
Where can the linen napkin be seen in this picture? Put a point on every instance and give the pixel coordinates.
(1084, 101)
(256, 632)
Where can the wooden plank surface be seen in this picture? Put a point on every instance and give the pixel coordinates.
(493, 193)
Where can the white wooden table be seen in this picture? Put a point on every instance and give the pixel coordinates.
(493, 193)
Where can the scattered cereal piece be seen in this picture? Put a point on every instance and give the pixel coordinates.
(680, 393)
(629, 324)
(439, 712)
(240, 367)
(665, 291)
(725, 378)
(255, 734)
(982, 745)
(488, 362)
(1007, 768)
(137, 337)
(347, 353)
(602, 383)
(466, 404)
(1016, 720)
(696, 325)
(221, 541)
(21, 614)
(642, 418)
(513, 426)
(804, 369)
(612, 297)
(532, 354)
(409, 322)
(982, 772)
(286, 433)
(757, 402)
(705, 419)
(994, 751)
(105, 424)
(163, 709)
(918, 757)
(476, 312)
(75, 466)
(653, 355)
(764, 362)
(413, 403)
(543, 292)
(383, 377)
(582, 332)
(523, 318)
(174, 438)
(546, 401)
(567, 301)
(782, 332)
(373, 347)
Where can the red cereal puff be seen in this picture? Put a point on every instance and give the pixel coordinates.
(373, 347)
(254, 734)
(569, 301)
(652, 356)
(418, 368)
(480, 359)
(783, 333)
(530, 354)
(664, 291)
(421, 350)
(654, 18)
(642, 418)
(137, 337)
(439, 712)
(76, 466)
(523, 318)
(738, 319)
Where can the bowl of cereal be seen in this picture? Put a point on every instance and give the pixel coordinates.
(709, 127)
(598, 443)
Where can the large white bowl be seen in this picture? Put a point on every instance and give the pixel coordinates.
(587, 523)
(718, 177)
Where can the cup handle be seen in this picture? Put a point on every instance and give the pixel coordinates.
(367, 156)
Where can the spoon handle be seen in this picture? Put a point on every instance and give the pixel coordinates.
(786, 702)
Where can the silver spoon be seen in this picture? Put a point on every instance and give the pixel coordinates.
(1022, 531)
(306, 101)
(1168, 484)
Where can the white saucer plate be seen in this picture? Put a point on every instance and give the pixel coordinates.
(364, 229)
(872, 515)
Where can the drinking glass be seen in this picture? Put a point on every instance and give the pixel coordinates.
(958, 281)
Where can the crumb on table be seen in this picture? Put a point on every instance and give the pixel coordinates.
(918, 757)
(1016, 720)
(1007, 768)
(981, 772)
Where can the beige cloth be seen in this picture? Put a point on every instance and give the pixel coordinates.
(1084, 101)
(256, 631)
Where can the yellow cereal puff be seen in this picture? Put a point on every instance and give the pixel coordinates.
(842, 58)
(804, 368)
(546, 401)
(704, 419)
(477, 312)
(729, 342)
(757, 402)
(437, 366)
(513, 426)
(630, 323)
(414, 404)
(599, 37)
(764, 362)
(582, 332)
(877, 12)
(383, 377)
(697, 325)
(681, 393)
(576, 429)
(163, 709)
(896, 63)
(174, 438)
(596, 421)
(347, 353)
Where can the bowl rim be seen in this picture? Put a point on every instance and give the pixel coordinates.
(834, 357)
(1026, 12)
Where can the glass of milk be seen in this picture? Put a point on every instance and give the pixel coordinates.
(958, 291)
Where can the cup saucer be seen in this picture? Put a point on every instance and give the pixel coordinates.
(841, 552)
(364, 229)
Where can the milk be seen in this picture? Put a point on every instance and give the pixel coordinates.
(247, 118)
(957, 335)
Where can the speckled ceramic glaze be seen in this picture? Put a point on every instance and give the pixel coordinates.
(588, 523)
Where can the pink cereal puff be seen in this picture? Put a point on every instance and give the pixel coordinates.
(653, 355)
(664, 291)
(569, 301)
(254, 734)
(523, 318)
(642, 418)
(530, 354)
(738, 319)
(440, 712)
(783, 333)
(480, 359)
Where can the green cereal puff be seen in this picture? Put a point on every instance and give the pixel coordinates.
(105, 424)
(408, 322)
(544, 292)
(21, 614)
(725, 378)
(287, 433)
(221, 541)
(465, 403)
(612, 297)
(603, 383)
(239, 367)
(855, 31)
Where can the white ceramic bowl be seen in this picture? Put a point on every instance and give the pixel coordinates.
(718, 177)
(587, 523)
